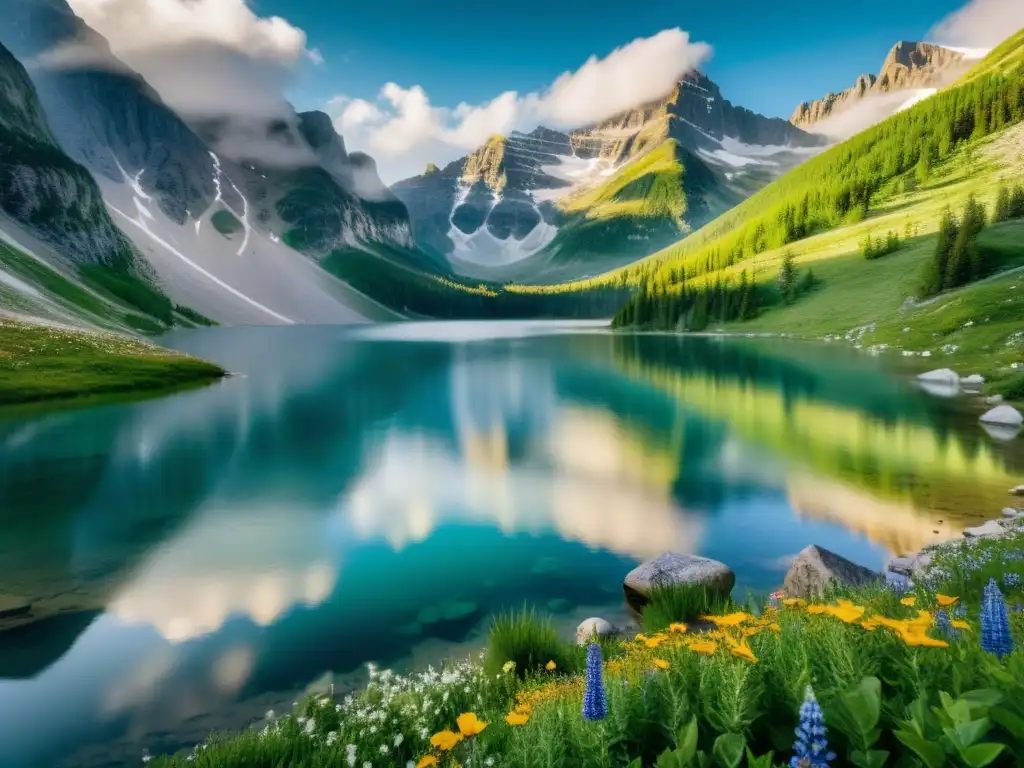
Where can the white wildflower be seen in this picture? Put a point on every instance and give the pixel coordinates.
(399, 738)
(384, 749)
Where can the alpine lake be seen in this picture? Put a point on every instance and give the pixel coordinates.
(377, 494)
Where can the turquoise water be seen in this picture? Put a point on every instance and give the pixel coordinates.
(376, 495)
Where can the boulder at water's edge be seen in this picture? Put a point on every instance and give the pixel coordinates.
(594, 628)
(815, 568)
(674, 568)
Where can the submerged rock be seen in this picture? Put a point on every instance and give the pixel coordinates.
(1003, 415)
(673, 568)
(12, 607)
(594, 627)
(815, 568)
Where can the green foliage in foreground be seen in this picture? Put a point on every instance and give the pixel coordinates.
(672, 701)
(40, 363)
(527, 641)
(680, 603)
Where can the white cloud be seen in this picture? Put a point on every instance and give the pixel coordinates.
(403, 130)
(980, 24)
(204, 57)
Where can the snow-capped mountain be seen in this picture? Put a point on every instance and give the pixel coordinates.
(224, 233)
(911, 72)
(524, 203)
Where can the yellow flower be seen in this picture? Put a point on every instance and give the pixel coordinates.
(614, 666)
(946, 600)
(743, 651)
(703, 646)
(793, 602)
(918, 637)
(445, 740)
(870, 624)
(654, 642)
(816, 608)
(730, 620)
(677, 627)
(469, 724)
(426, 761)
(751, 631)
(959, 624)
(517, 718)
(641, 637)
(508, 667)
(550, 666)
(774, 627)
(846, 611)
(661, 664)
(909, 600)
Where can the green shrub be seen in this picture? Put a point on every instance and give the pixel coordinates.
(1012, 388)
(528, 640)
(132, 290)
(681, 603)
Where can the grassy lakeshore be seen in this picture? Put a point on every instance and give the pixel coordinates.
(44, 363)
(930, 675)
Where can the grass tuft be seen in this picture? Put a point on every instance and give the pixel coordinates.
(681, 603)
(528, 640)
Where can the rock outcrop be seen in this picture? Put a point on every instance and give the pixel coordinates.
(1003, 415)
(595, 628)
(816, 569)
(908, 67)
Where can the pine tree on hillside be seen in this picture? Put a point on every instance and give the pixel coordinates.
(786, 280)
(935, 273)
(1002, 211)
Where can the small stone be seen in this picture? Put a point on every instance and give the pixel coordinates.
(816, 568)
(974, 380)
(594, 627)
(1011, 512)
(1003, 415)
(993, 400)
(1018, 491)
(985, 530)
(11, 606)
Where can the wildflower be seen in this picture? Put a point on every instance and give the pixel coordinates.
(743, 651)
(945, 626)
(595, 702)
(350, 755)
(677, 627)
(729, 620)
(508, 667)
(775, 599)
(793, 602)
(661, 663)
(550, 666)
(445, 740)
(1011, 579)
(945, 600)
(517, 718)
(399, 738)
(995, 623)
(469, 724)
(909, 600)
(654, 642)
(706, 647)
(384, 749)
(811, 747)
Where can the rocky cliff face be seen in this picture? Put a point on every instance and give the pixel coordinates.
(45, 190)
(908, 67)
(499, 204)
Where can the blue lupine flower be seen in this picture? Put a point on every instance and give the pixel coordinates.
(1011, 579)
(1018, 608)
(995, 622)
(811, 747)
(595, 702)
(944, 625)
(959, 611)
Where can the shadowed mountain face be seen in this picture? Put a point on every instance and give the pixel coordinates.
(525, 202)
(912, 69)
(209, 203)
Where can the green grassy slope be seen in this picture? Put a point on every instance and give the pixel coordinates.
(46, 363)
(813, 213)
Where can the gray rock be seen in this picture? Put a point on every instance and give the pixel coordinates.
(594, 627)
(815, 568)
(993, 400)
(1018, 491)
(940, 376)
(12, 607)
(973, 381)
(673, 568)
(1011, 512)
(910, 565)
(1003, 415)
(990, 529)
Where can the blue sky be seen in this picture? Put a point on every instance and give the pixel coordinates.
(767, 56)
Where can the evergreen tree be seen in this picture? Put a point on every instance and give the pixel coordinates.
(935, 273)
(786, 279)
(1003, 205)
